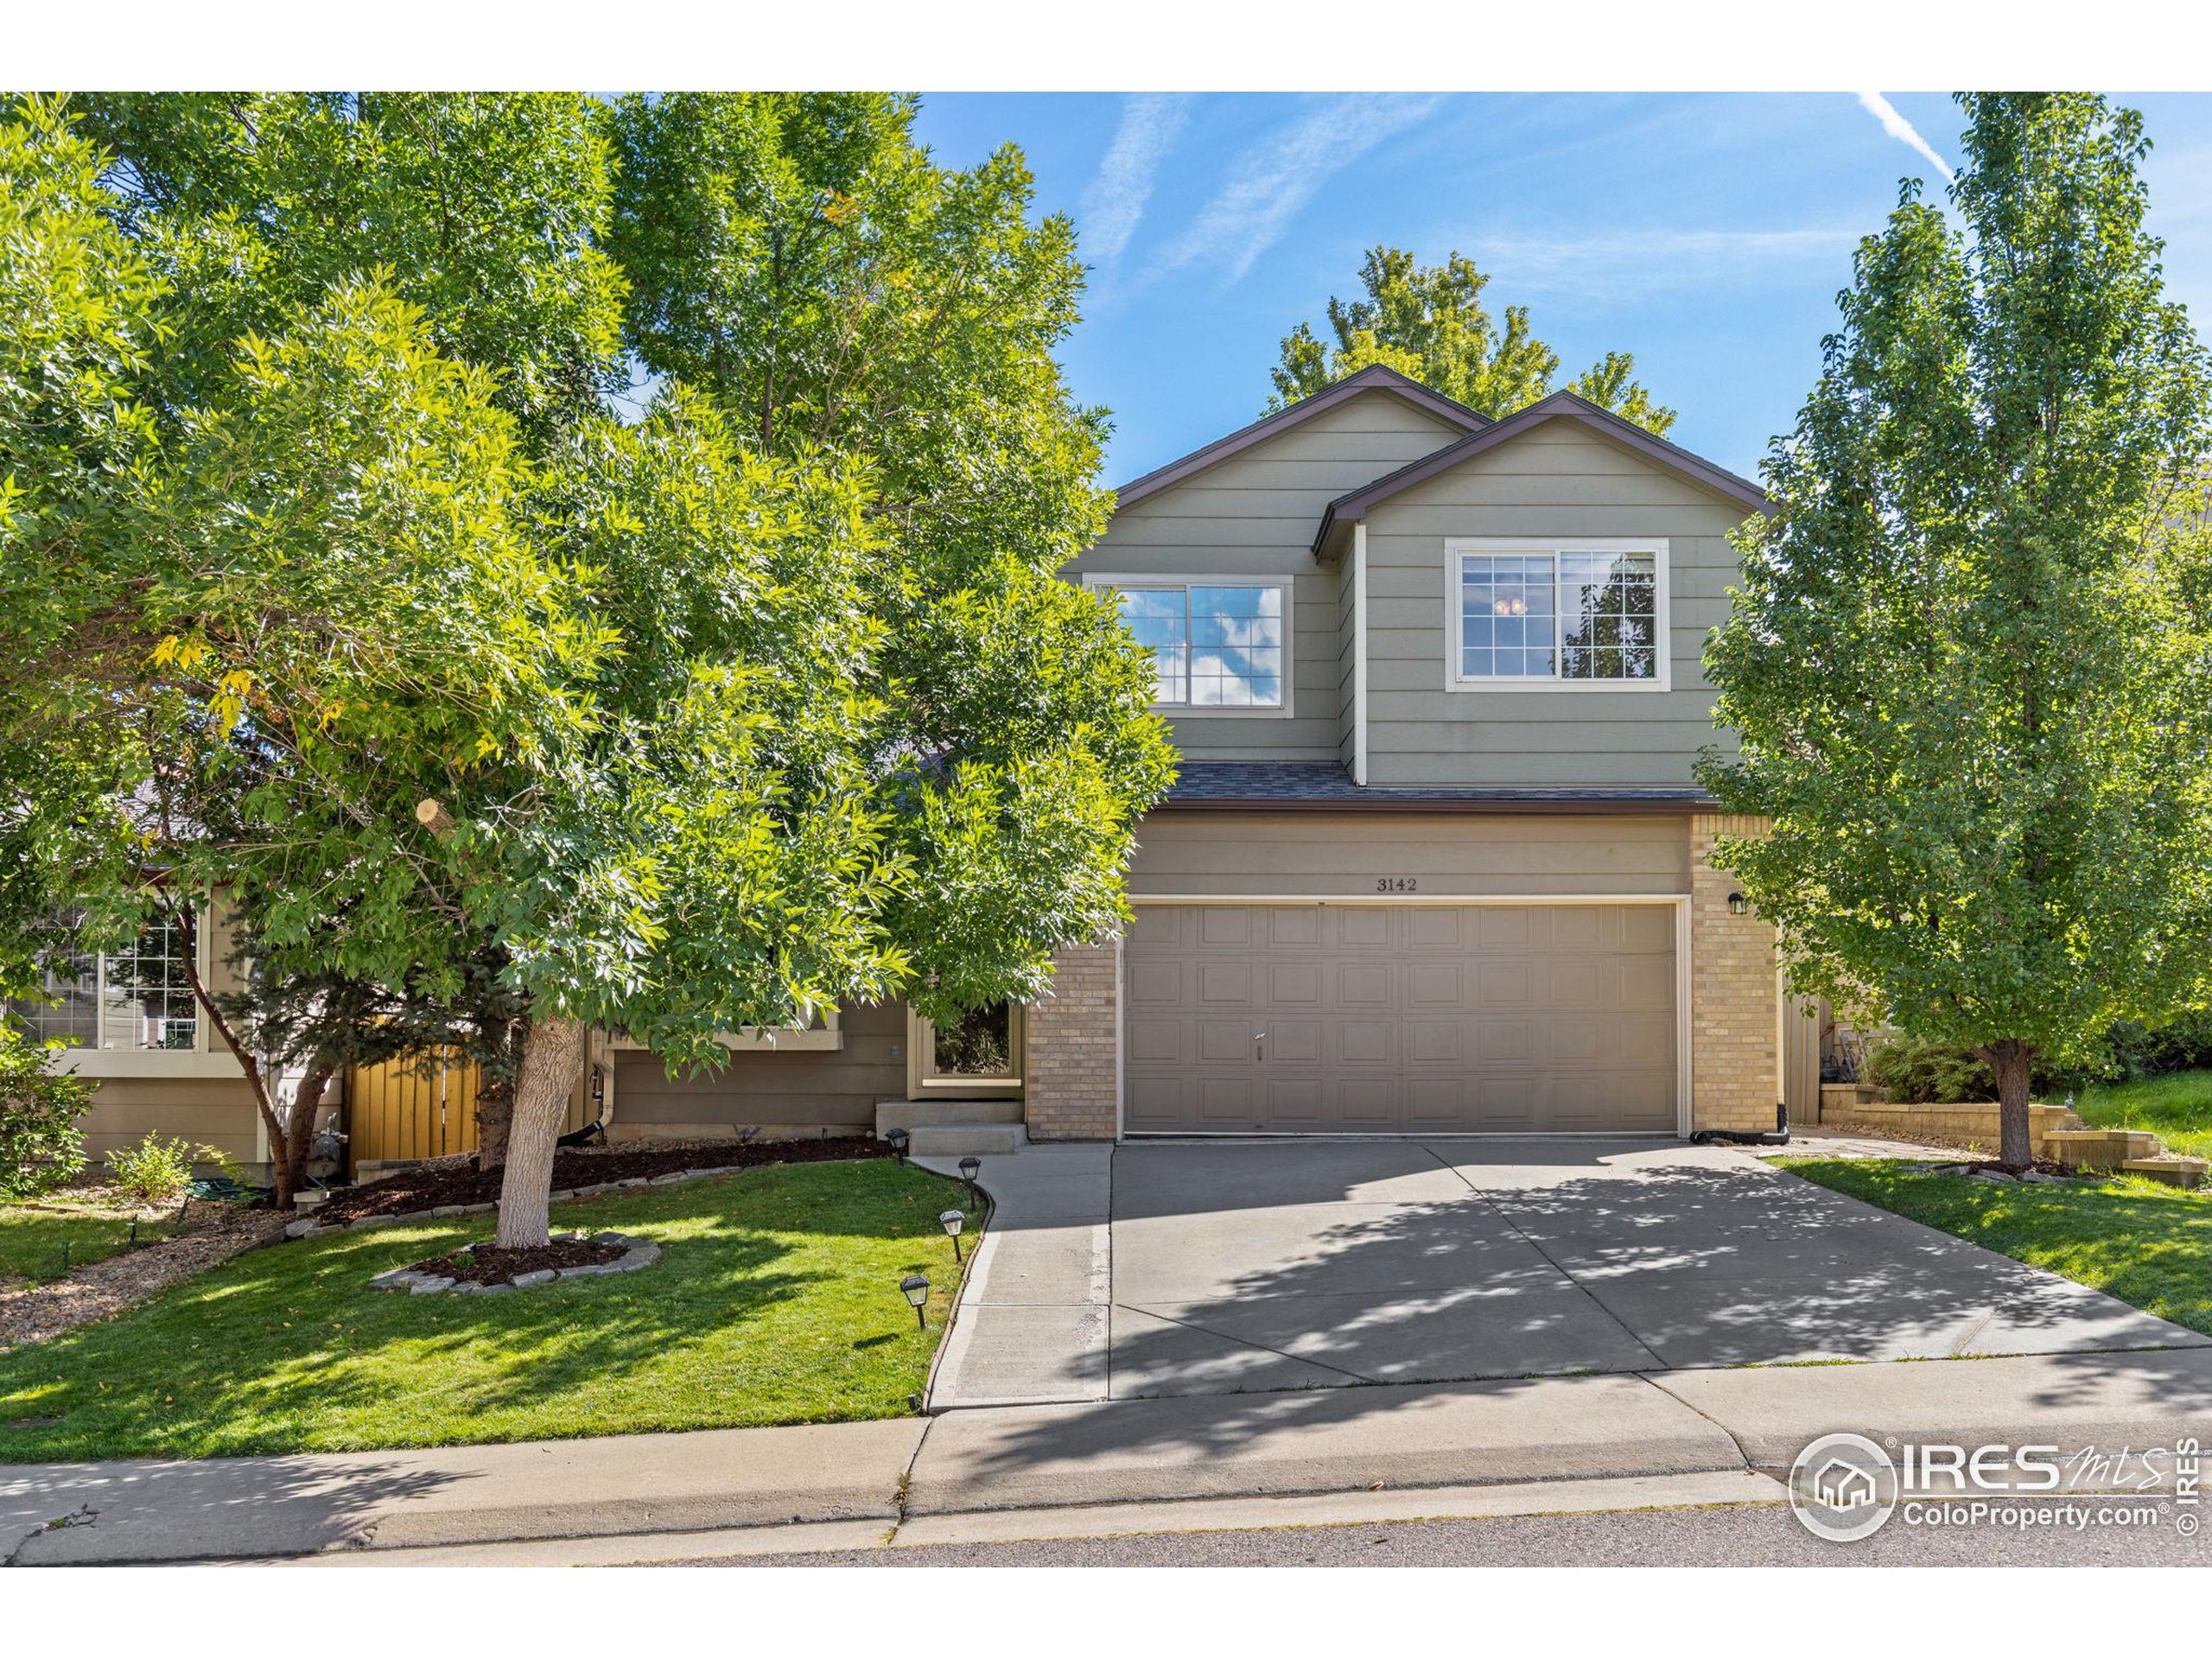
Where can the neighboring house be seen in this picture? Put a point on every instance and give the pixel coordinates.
(1436, 862)
(126, 1022)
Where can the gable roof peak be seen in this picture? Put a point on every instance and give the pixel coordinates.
(1557, 406)
(1376, 377)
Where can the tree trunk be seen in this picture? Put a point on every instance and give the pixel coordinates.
(495, 1115)
(282, 1169)
(2012, 1061)
(299, 1135)
(552, 1053)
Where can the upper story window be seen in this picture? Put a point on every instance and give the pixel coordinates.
(1592, 614)
(1215, 645)
(137, 998)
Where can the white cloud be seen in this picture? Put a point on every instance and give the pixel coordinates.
(1618, 263)
(1274, 179)
(1902, 131)
(1114, 202)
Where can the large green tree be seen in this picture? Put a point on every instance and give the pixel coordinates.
(1971, 656)
(1429, 321)
(429, 666)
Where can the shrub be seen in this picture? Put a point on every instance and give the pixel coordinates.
(41, 1146)
(1911, 1070)
(157, 1171)
(2180, 1044)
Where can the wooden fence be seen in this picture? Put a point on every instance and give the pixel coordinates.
(402, 1110)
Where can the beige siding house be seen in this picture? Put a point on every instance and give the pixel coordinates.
(125, 1023)
(1436, 862)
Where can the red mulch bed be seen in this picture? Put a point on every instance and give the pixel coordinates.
(432, 1185)
(488, 1264)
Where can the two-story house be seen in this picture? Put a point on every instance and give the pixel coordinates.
(1436, 862)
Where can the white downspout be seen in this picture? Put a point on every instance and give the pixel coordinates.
(1359, 652)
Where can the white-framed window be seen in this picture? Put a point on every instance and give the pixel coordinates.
(1219, 645)
(1583, 615)
(137, 999)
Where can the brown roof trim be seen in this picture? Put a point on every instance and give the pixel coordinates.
(1665, 807)
(1375, 377)
(1561, 406)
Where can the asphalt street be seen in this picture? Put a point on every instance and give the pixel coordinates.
(1752, 1535)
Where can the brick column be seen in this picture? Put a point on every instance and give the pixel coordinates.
(1072, 1047)
(1733, 992)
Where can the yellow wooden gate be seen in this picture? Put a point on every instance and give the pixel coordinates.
(402, 1109)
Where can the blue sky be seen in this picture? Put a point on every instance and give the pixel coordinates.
(1706, 234)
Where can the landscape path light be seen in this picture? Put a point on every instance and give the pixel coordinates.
(950, 1220)
(898, 1138)
(970, 1167)
(917, 1288)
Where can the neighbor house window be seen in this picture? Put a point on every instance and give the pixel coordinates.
(137, 998)
(1213, 645)
(1574, 615)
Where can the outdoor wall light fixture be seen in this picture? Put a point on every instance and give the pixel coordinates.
(1738, 905)
(950, 1220)
(971, 1167)
(916, 1289)
(898, 1138)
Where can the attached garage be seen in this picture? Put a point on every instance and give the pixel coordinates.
(1350, 1018)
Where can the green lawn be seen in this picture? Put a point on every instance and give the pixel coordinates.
(31, 1237)
(2146, 1244)
(2177, 1106)
(777, 1302)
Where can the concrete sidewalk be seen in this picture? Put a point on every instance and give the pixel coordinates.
(1655, 1425)
(1031, 1324)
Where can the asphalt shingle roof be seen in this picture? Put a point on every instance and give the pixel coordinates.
(1224, 781)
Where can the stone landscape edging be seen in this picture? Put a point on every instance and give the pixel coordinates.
(639, 1254)
(307, 1227)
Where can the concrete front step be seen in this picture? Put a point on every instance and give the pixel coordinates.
(914, 1114)
(959, 1140)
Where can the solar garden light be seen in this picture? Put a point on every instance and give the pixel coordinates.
(950, 1221)
(969, 1167)
(898, 1138)
(917, 1295)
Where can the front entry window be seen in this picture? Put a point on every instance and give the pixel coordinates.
(980, 1044)
(979, 1052)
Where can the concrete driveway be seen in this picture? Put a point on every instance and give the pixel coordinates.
(1308, 1265)
(1197, 1268)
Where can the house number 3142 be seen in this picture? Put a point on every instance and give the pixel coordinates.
(1397, 884)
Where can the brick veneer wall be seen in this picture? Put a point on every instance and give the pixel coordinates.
(1732, 992)
(1072, 1048)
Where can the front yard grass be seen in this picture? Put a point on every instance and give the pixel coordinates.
(32, 1235)
(2146, 1244)
(2177, 1106)
(777, 1302)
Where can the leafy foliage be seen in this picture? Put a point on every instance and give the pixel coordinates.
(41, 1146)
(483, 210)
(1913, 1068)
(155, 1170)
(1429, 322)
(1969, 659)
(769, 700)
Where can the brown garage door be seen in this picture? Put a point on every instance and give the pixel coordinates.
(1405, 1019)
